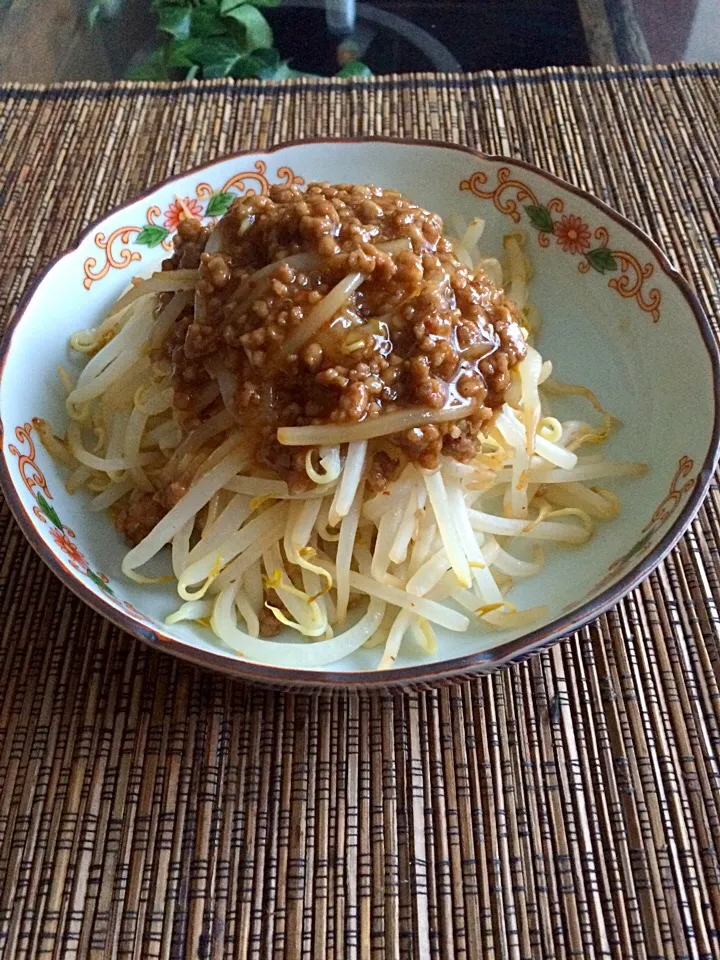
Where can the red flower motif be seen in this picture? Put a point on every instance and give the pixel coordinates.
(573, 234)
(180, 209)
(69, 548)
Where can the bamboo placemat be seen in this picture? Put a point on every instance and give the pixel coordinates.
(567, 807)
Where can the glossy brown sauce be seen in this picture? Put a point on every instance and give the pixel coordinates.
(421, 329)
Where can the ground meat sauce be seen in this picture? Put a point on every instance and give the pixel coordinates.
(421, 330)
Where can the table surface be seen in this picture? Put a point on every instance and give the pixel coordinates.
(566, 807)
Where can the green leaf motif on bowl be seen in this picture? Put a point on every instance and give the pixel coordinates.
(572, 233)
(602, 260)
(99, 582)
(34, 480)
(218, 204)
(49, 511)
(151, 235)
(541, 218)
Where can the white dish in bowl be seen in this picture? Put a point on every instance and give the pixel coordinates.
(616, 318)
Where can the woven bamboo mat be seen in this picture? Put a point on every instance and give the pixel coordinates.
(567, 807)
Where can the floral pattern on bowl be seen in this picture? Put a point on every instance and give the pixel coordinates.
(63, 537)
(572, 234)
(208, 207)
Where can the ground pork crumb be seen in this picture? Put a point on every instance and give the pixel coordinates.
(422, 330)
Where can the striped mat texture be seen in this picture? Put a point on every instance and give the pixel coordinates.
(567, 807)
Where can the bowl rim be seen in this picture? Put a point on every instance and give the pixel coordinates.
(474, 663)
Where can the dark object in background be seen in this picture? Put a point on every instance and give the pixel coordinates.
(490, 34)
(391, 40)
(463, 34)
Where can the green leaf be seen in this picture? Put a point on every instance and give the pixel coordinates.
(257, 31)
(246, 67)
(281, 72)
(217, 57)
(214, 71)
(354, 68)
(99, 581)
(182, 53)
(541, 218)
(602, 260)
(226, 6)
(218, 204)
(49, 511)
(154, 67)
(175, 21)
(267, 57)
(206, 22)
(268, 65)
(152, 235)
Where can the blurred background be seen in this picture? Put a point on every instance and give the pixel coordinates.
(48, 40)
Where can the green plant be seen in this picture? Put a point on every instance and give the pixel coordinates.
(213, 38)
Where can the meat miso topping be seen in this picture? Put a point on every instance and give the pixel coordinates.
(417, 329)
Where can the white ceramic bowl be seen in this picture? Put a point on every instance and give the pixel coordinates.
(616, 317)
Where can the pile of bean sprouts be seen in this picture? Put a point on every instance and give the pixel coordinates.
(338, 565)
